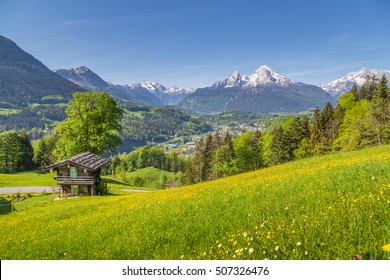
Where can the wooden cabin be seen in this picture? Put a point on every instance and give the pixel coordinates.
(80, 174)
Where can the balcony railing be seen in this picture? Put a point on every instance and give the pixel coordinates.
(68, 180)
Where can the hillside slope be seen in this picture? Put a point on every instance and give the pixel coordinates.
(24, 79)
(332, 207)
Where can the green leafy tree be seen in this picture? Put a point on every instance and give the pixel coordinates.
(92, 125)
(295, 130)
(242, 149)
(351, 131)
(114, 163)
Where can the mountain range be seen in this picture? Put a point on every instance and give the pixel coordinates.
(346, 83)
(24, 80)
(148, 93)
(264, 91)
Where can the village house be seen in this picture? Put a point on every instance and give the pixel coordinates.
(80, 174)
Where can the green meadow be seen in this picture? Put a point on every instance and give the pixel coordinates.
(27, 179)
(331, 207)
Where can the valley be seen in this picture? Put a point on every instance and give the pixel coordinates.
(251, 167)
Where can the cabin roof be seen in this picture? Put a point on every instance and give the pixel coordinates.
(86, 160)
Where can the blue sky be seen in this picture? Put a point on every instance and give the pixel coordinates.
(195, 43)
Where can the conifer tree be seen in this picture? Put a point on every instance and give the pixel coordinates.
(316, 131)
(279, 153)
(197, 164)
(257, 149)
(225, 157)
(381, 90)
(25, 161)
(328, 133)
(10, 150)
(207, 158)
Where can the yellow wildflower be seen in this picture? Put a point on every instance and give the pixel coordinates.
(386, 247)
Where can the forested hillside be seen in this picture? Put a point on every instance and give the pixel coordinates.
(24, 79)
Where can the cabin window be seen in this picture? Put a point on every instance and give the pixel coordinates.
(73, 172)
(74, 189)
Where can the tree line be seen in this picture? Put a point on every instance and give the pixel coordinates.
(361, 119)
(147, 156)
(16, 152)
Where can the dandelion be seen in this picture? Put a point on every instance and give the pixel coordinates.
(386, 248)
(250, 250)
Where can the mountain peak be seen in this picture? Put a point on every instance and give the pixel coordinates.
(81, 70)
(84, 77)
(345, 84)
(265, 75)
(234, 80)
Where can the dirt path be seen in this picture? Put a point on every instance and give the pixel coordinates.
(130, 190)
(8, 190)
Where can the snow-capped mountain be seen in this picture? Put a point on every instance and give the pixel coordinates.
(169, 96)
(345, 84)
(262, 76)
(84, 77)
(149, 93)
(157, 88)
(263, 91)
(234, 80)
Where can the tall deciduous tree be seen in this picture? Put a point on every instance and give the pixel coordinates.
(92, 125)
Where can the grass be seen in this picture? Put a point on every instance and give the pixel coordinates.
(332, 207)
(146, 178)
(133, 114)
(34, 201)
(27, 179)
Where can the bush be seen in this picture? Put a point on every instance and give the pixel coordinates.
(138, 181)
(102, 187)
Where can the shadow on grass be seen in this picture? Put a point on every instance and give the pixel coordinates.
(5, 206)
(113, 181)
